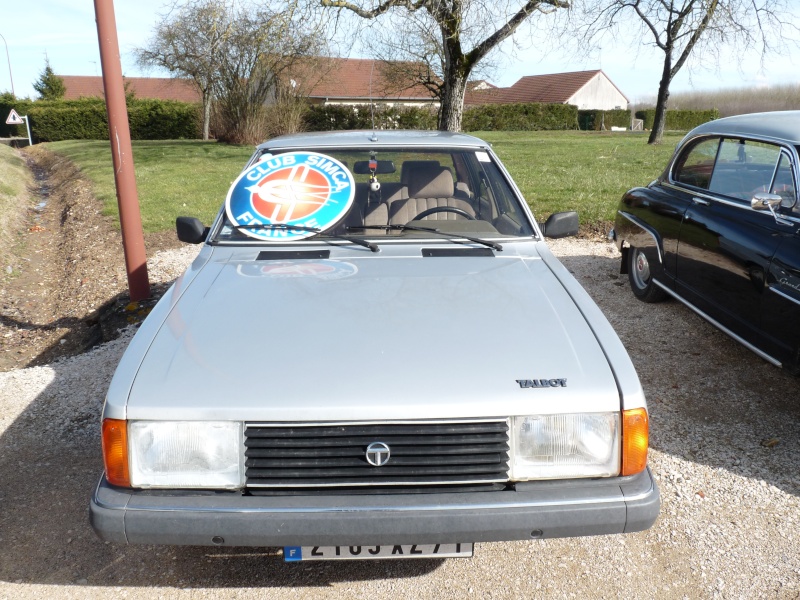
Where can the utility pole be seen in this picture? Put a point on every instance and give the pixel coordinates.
(119, 132)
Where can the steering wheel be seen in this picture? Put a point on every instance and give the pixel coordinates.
(438, 209)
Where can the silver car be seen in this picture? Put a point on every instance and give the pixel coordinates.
(374, 355)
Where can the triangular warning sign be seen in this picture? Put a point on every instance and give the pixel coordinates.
(14, 118)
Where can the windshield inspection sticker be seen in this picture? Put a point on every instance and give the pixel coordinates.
(296, 189)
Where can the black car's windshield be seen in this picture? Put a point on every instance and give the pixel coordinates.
(452, 190)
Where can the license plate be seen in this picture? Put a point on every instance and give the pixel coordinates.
(297, 553)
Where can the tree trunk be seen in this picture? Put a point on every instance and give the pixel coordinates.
(661, 102)
(452, 108)
(206, 114)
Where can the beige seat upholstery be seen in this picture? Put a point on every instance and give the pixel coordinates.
(429, 186)
(377, 212)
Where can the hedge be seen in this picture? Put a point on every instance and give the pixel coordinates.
(520, 117)
(7, 102)
(344, 117)
(87, 119)
(506, 117)
(596, 120)
(165, 119)
(680, 120)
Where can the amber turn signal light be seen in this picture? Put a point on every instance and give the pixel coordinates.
(635, 439)
(115, 452)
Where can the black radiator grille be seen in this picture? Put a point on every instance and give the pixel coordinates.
(292, 457)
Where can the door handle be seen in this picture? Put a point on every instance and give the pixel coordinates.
(697, 200)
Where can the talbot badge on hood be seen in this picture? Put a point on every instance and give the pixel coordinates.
(541, 383)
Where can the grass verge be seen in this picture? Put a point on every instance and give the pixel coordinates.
(555, 170)
(14, 182)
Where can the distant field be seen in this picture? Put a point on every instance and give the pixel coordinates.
(555, 170)
(736, 101)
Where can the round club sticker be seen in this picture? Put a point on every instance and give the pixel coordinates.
(296, 189)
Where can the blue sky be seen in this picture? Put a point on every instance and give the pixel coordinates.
(65, 32)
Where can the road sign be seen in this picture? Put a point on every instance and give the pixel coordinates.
(14, 118)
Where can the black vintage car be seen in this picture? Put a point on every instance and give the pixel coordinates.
(720, 231)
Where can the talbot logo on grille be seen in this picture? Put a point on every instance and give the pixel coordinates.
(378, 454)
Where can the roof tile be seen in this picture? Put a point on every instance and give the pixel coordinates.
(161, 88)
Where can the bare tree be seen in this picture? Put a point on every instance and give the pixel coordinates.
(237, 54)
(265, 46)
(681, 28)
(189, 42)
(457, 33)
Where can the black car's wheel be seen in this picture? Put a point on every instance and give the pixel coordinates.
(641, 278)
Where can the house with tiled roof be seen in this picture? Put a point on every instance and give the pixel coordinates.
(161, 88)
(323, 80)
(588, 90)
(361, 80)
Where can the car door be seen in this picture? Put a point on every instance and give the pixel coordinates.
(725, 246)
(780, 312)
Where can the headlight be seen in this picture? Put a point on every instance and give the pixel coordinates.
(565, 446)
(186, 454)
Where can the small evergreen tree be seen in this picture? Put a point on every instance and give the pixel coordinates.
(49, 86)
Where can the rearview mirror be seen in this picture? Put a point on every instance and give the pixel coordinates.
(382, 167)
(560, 225)
(191, 230)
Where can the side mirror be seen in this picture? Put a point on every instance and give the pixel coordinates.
(769, 202)
(559, 225)
(191, 230)
(764, 201)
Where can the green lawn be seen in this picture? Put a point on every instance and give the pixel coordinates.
(579, 170)
(174, 178)
(555, 170)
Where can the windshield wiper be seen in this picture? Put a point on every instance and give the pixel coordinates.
(315, 230)
(447, 234)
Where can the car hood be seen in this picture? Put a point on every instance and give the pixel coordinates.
(362, 336)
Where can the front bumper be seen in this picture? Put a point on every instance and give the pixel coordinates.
(536, 510)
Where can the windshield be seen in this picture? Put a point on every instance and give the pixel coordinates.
(371, 193)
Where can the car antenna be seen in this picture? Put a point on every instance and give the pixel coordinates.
(374, 137)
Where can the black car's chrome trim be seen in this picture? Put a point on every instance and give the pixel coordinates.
(785, 146)
(699, 193)
(719, 325)
(646, 229)
(783, 294)
(741, 204)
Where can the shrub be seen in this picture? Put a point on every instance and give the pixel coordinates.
(7, 102)
(531, 116)
(86, 118)
(680, 120)
(596, 120)
(338, 117)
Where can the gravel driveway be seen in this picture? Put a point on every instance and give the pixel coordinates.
(725, 449)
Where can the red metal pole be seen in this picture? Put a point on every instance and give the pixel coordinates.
(120, 135)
